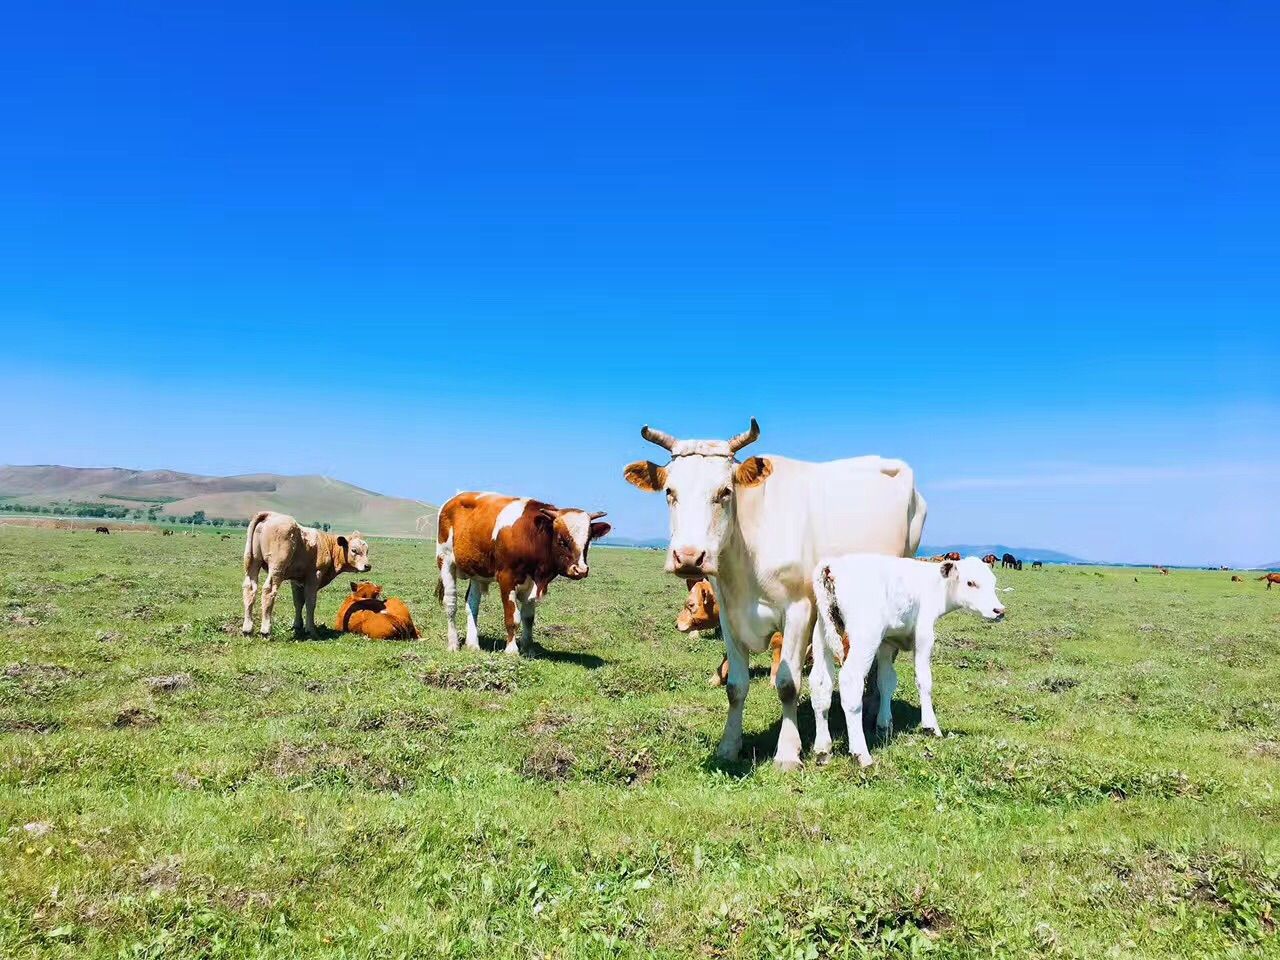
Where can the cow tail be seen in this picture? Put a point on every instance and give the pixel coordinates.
(1264, 576)
(248, 540)
(832, 616)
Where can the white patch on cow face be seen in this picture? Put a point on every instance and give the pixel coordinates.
(578, 523)
(700, 499)
(508, 515)
(973, 586)
(358, 554)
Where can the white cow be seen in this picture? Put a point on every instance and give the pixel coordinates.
(756, 529)
(870, 608)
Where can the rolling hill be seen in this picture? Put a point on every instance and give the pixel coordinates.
(309, 498)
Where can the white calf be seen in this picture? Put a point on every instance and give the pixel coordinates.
(870, 607)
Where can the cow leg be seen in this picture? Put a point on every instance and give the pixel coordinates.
(309, 595)
(735, 689)
(721, 676)
(475, 590)
(299, 598)
(249, 591)
(820, 684)
(507, 592)
(449, 597)
(528, 610)
(269, 590)
(797, 629)
(853, 677)
(924, 681)
(888, 677)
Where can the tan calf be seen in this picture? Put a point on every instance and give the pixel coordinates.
(307, 558)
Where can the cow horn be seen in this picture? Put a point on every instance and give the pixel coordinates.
(664, 440)
(598, 514)
(747, 436)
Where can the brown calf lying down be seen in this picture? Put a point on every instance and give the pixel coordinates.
(1236, 578)
(365, 611)
(701, 613)
(307, 558)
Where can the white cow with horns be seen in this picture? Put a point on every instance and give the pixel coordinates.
(757, 528)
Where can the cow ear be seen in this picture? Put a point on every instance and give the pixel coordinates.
(752, 471)
(342, 545)
(354, 586)
(543, 520)
(646, 475)
(948, 568)
(599, 530)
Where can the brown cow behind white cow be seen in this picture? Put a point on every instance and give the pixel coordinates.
(309, 559)
(521, 543)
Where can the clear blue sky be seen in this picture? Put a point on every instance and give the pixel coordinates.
(421, 248)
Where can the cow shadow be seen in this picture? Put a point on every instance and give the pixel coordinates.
(759, 747)
(587, 661)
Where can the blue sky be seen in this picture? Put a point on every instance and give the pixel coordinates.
(424, 248)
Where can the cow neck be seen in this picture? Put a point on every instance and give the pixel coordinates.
(370, 606)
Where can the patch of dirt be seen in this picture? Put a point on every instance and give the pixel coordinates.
(185, 780)
(549, 761)
(1059, 684)
(164, 875)
(135, 717)
(546, 721)
(108, 636)
(168, 683)
(495, 675)
(29, 725)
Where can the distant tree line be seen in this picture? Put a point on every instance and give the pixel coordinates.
(101, 511)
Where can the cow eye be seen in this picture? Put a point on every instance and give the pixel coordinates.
(972, 584)
(724, 495)
(671, 496)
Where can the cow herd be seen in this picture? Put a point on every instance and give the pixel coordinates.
(779, 554)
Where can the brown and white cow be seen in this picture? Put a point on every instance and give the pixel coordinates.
(521, 543)
(990, 560)
(309, 559)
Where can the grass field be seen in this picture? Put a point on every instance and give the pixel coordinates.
(169, 788)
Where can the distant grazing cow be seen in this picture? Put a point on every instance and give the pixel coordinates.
(166, 533)
(990, 560)
(1270, 578)
(101, 530)
(1236, 578)
(1008, 560)
(870, 608)
(365, 611)
(1037, 565)
(521, 543)
(953, 555)
(1164, 571)
(307, 558)
(937, 558)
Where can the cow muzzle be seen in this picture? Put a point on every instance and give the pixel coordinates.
(577, 571)
(689, 562)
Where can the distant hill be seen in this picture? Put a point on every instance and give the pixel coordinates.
(309, 498)
(981, 550)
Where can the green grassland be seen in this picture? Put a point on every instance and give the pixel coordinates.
(169, 788)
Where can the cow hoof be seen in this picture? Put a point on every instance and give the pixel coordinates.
(788, 765)
(935, 731)
(726, 754)
(715, 681)
(822, 757)
(452, 648)
(884, 733)
(265, 633)
(864, 760)
(246, 630)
